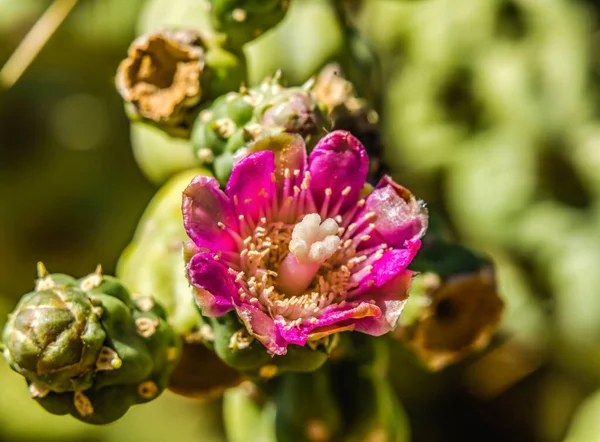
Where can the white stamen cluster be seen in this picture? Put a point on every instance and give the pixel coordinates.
(313, 241)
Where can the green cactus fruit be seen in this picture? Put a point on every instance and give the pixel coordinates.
(244, 20)
(153, 262)
(87, 348)
(306, 408)
(235, 120)
(169, 74)
(238, 349)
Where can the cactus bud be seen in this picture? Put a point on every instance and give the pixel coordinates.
(87, 349)
(224, 132)
(245, 20)
(168, 74)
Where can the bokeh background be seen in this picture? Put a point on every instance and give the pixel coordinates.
(490, 113)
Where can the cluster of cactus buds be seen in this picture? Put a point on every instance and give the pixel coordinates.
(89, 349)
(223, 132)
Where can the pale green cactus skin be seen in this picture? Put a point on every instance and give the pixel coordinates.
(89, 349)
(153, 262)
(238, 119)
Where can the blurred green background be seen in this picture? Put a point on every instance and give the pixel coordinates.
(490, 114)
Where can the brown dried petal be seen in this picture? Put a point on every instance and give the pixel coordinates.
(161, 77)
(461, 318)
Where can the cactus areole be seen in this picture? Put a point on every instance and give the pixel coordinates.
(301, 249)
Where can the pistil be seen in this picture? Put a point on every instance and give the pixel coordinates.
(313, 242)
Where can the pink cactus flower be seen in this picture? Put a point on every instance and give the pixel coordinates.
(301, 250)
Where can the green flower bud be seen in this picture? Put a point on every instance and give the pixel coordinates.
(245, 20)
(87, 348)
(54, 338)
(224, 132)
(168, 74)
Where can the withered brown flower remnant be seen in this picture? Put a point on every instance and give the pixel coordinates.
(167, 74)
(456, 317)
(160, 78)
(349, 112)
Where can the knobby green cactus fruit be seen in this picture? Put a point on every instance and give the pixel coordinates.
(87, 348)
(224, 131)
(168, 74)
(244, 20)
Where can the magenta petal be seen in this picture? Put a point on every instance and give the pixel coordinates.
(214, 287)
(386, 268)
(262, 327)
(390, 299)
(400, 216)
(251, 185)
(339, 161)
(294, 335)
(204, 206)
(290, 153)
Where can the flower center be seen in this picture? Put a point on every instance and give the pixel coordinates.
(312, 243)
(294, 272)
